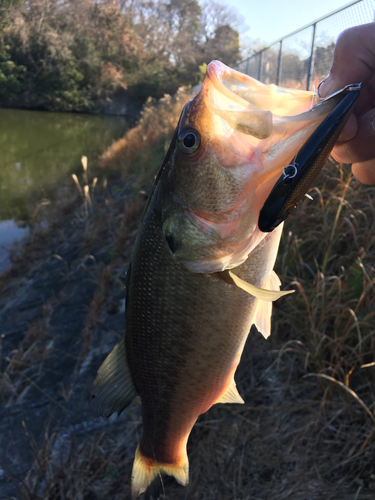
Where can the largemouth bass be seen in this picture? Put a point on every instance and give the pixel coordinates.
(201, 273)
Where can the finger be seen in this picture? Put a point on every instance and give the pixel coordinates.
(366, 99)
(365, 171)
(349, 130)
(362, 147)
(353, 60)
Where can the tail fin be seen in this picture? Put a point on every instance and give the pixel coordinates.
(147, 475)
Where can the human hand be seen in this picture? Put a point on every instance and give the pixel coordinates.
(354, 62)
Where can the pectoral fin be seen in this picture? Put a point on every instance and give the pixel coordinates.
(113, 387)
(231, 395)
(259, 293)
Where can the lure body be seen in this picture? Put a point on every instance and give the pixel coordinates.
(308, 163)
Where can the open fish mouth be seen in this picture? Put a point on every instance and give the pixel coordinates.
(259, 119)
(253, 132)
(246, 92)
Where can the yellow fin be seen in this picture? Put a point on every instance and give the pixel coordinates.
(231, 395)
(259, 293)
(263, 312)
(113, 387)
(147, 474)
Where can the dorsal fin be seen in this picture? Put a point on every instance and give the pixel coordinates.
(113, 387)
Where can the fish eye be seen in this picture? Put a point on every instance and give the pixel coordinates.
(189, 140)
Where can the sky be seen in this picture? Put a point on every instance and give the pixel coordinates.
(269, 20)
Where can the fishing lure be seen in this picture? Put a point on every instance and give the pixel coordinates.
(298, 176)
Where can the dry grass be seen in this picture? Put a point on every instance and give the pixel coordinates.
(328, 255)
(104, 277)
(307, 430)
(140, 149)
(32, 351)
(89, 469)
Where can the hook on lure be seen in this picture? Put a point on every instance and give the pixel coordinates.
(297, 177)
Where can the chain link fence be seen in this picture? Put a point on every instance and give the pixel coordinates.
(303, 58)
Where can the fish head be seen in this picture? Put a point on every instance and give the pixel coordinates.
(233, 140)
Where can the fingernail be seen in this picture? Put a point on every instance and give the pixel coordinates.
(327, 87)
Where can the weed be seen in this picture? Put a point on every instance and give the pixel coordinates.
(32, 351)
(86, 191)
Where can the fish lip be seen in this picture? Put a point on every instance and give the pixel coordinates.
(219, 75)
(216, 71)
(245, 112)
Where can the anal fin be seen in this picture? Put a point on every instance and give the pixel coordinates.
(231, 395)
(113, 387)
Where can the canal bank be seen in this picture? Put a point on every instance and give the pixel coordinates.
(61, 311)
(39, 152)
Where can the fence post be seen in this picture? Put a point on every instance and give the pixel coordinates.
(279, 61)
(310, 72)
(260, 67)
(311, 63)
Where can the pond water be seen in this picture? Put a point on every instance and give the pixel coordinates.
(38, 152)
